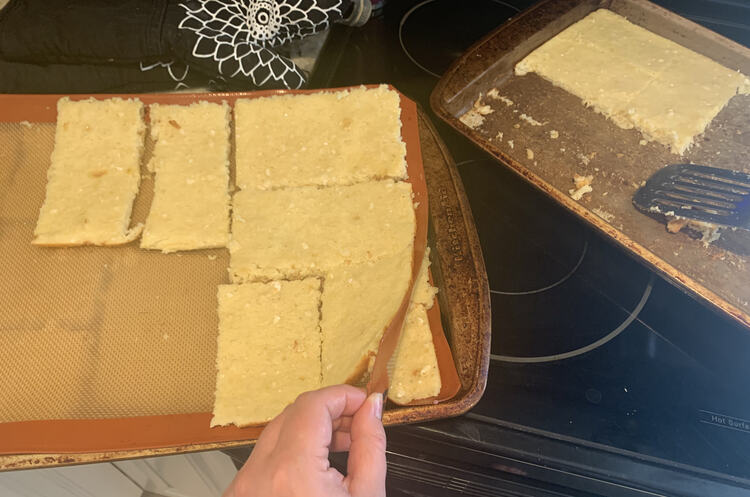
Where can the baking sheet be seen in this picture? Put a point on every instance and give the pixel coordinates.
(94, 339)
(589, 144)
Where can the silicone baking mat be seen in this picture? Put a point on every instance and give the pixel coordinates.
(114, 348)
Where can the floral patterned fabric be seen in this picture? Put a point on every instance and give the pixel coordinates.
(237, 36)
(227, 43)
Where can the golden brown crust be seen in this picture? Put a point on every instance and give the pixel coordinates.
(132, 235)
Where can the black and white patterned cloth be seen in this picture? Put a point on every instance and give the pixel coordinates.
(237, 36)
(171, 43)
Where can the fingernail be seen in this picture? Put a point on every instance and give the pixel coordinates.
(376, 402)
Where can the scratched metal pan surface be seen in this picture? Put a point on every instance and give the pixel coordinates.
(548, 136)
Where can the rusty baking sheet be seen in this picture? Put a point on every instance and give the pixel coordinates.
(180, 423)
(548, 136)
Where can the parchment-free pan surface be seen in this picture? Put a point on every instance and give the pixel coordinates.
(589, 144)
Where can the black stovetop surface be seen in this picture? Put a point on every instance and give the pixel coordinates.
(589, 348)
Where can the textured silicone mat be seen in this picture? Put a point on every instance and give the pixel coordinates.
(114, 348)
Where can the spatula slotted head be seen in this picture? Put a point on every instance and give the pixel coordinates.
(703, 193)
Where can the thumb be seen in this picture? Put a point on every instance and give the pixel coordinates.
(367, 467)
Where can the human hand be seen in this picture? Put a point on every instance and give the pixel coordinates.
(290, 458)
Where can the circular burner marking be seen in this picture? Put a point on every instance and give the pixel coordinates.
(587, 348)
(438, 45)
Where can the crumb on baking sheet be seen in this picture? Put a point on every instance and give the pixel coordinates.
(579, 193)
(582, 186)
(499, 136)
(676, 224)
(26, 124)
(510, 143)
(495, 95)
(529, 154)
(709, 232)
(211, 257)
(642, 142)
(554, 134)
(530, 120)
(484, 110)
(474, 117)
(581, 181)
(607, 216)
(583, 158)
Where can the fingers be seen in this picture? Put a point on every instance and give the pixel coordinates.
(309, 421)
(341, 442)
(344, 423)
(367, 466)
(229, 491)
(291, 455)
(270, 434)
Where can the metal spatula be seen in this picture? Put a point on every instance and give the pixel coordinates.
(708, 194)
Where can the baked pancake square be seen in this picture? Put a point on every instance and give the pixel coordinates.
(325, 138)
(306, 231)
(94, 173)
(190, 209)
(268, 349)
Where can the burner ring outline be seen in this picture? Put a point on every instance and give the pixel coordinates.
(562, 280)
(553, 285)
(410, 12)
(586, 348)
